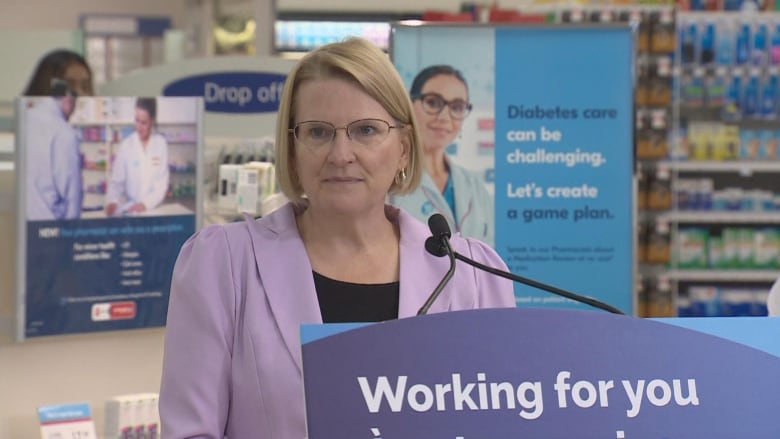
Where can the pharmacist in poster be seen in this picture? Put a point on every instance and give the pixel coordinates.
(140, 174)
(441, 101)
(54, 171)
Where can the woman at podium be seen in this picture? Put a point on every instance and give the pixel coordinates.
(346, 139)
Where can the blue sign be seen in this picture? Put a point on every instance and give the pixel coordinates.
(232, 92)
(64, 412)
(564, 160)
(98, 232)
(551, 134)
(101, 274)
(537, 373)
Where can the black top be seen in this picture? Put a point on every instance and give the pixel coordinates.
(344, 302)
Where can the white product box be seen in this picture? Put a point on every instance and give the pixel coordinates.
(228, 184)
(256, 181)
(132, 416)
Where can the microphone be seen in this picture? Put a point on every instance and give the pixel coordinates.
(438, 245)
(434, 246)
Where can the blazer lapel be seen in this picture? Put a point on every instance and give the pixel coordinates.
(286, 275)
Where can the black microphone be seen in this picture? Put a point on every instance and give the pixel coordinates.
(435, 249)
(439, 241)
(438, 245)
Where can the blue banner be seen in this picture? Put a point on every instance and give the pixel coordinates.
(232, 92)
(550, 136)
(101, 274)
(109, 194)
(564, 160)
(581, 374)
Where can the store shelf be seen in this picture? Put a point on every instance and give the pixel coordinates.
(742, 167)
(716, 114)
(724, 275)
(709, 217)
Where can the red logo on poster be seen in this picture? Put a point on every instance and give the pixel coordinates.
(122, 310)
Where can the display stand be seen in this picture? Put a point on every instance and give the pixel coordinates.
(550, 138)
(80, 269)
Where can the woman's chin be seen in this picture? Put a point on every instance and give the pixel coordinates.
(434, 149)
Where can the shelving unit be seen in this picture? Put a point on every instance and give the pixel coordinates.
(697, 217)
(724, 166)
(655, 45)
(735, 275)
(746, 168)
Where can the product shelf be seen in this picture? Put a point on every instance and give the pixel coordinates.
(723, 275)
(709, 217)
(724, 163)
(707, 166)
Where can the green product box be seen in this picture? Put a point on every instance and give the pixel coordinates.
(715, 252)
(692, 248)
(746, 257)
(730, 242)
(766, 249)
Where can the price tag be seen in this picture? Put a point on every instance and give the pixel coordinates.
(66, 421)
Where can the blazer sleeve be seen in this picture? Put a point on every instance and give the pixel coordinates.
(492, 291)
(195, 388)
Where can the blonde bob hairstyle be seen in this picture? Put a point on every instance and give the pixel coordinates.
(358, 61)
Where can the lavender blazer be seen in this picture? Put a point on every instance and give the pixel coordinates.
(232, 361)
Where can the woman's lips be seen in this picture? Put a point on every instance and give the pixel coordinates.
(342, 180)
(440, 131)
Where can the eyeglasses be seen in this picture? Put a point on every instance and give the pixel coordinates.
(434, 103)
(315, 134)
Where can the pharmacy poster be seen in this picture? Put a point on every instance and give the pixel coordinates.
(528, 134)
(108, 194)
(607, 377)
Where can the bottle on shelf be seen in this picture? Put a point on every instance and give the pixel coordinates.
(725, 48)
(751, 94)
(732, 110)
(742, 54)
(774, 45)
(759, 52)
(769, 95)
(707, 46)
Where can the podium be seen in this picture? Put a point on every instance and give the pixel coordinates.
(539, 373)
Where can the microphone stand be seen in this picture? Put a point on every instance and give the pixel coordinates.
(445, 244)
(530, 282)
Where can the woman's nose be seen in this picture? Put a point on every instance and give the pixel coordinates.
(444, 113)
(342, 148)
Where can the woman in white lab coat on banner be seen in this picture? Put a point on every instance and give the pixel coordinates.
(139, 176)
(441, 101)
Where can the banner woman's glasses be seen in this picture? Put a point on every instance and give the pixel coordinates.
(434, 103)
